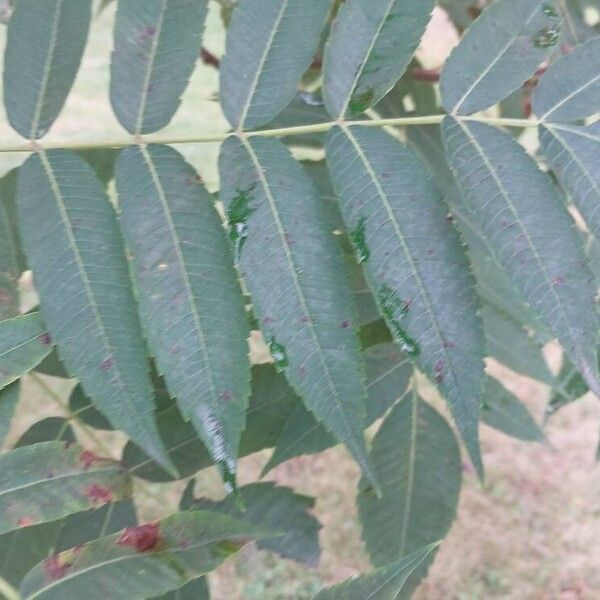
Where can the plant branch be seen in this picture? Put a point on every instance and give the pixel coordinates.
(34, 146)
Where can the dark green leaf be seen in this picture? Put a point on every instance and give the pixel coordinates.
(82, 406)
(371, 44)
(102, 160)
(414, 263)
(156, 45)
(11, 258)
(141, 561)
(47, 430)
(269, 46)
(502, 411)
(275, 508)
(500, 51)
(532, 233)
(418, 460)
(72, 241)
(568, 387)
(197, 589)
(570, 88)
(23, 344)
(190, 301)
(388, 376)
(50, 480)
(573, 154)
(270, 404)
(44, 45)
(295, 273)
(386, 583)
(9, 397)
(52, 365)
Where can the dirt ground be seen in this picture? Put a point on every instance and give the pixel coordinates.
(531, 533)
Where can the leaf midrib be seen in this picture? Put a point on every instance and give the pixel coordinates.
(86, 282)
(46, 72)
(299, 292)
(148, 75)
(261, 64)
(185, 276)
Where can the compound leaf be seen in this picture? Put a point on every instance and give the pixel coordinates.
(75, 250)
(499, 51)
(23, 344)
(46, 481)
(414, 264)
(44, 45)
(190, 300)
(531, 232)
(570, 88)
(270, 44)
(295, 273)
(371, 44)
(156, 46)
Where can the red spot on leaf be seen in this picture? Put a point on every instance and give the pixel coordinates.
(449, 344)
(25, 522)
(225, 395)
(45, 339)
(304, 319)
(345, 324)
(89, 458)
(98, 494)
(56, 567)
(558, 280)
(142, 538)
(107, 364)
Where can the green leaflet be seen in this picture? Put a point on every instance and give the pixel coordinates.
(573, 154)
(516, 207)
(272, 507)
(296, 277)
(190, 301)
(141, 561)
(47, 430)
(417, 268)
(570, 89)
(270, 44)
(22, 549)
(502, 411)
(197, 589)
(371, 44)
(44, 45)
(74, 248)
(500, 51)
(386, 583)
(23, 344)
(11, 256)
(156, 46)
(388, 376)
(9, 397)
(509, 342)
(271, 402)
(418, 462)
(46, 481)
